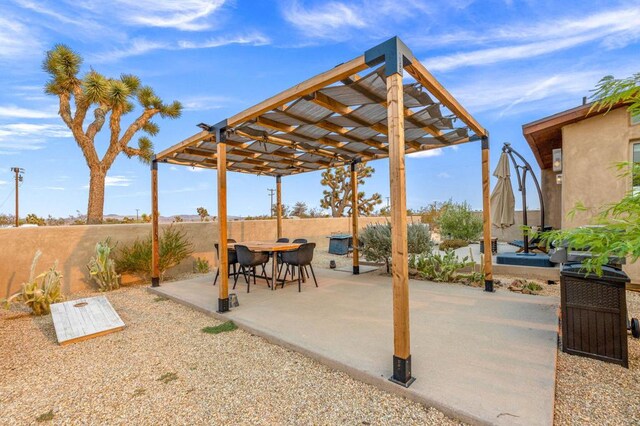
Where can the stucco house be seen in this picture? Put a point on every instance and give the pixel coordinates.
(577, 151)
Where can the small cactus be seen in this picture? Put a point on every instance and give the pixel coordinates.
(102, 268)
(40, 291)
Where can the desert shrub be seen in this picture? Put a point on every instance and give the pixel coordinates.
(376, 241)
(419, 238)
(453, 244)
(201, 266)
(174, 247)
(102, 268)
(438, 267)
(430, 214)
(458, 221)
(40, 291)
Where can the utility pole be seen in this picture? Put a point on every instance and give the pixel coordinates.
(137, 217)
(271, 192)
(387, 201)
(18, 178)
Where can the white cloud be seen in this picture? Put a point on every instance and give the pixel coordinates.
(426, 154)
(344, 20)
(28, 136)
(196, 169)
(204, 103)
(54, 188)
(13, 111)
(185, 15)
(516, 89)
(502, 54)
(3, 182)
(613, 29)
(443, 175)
(325, 20)
(141, 46)
(16, 39)
(117, 181)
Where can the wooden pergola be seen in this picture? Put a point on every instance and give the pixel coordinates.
(360, 110)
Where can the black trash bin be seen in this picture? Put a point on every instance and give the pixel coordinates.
(594, 313)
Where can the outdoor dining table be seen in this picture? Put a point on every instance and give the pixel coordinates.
(270, 247)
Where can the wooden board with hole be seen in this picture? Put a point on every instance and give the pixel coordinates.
(83, 319)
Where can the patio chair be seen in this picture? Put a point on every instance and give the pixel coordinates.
(282, 240)
(296, 241)
(248, 261)
(300, 258)
(232, 260)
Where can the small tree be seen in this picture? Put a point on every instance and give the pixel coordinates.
(203, 213)
(299, 209)
(337, 197)
(458, 221)
(33, 219)
(376, 241)
(177, 219)
(113, 99)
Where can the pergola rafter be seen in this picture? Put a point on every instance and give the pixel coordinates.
(339, 117)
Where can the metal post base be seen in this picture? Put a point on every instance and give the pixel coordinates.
(223, 305)
(356, 270)
(402, 372)
(155, 282)
(488, 286)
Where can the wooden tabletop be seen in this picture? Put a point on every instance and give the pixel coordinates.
(265, 245)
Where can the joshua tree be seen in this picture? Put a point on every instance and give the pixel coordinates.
(112, 98)
(203, 213)
(338, 196)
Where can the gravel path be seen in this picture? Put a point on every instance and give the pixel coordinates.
(162, 369)
(590, 392)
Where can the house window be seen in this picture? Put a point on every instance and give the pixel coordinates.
(635, 119)
(636, 160)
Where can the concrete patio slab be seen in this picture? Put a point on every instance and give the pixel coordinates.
(485, 358)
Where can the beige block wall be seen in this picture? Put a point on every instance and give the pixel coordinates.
(590, 150)
(73, 246)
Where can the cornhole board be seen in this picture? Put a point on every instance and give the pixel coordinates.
(83, 319)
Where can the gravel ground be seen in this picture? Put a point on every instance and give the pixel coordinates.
(590, 392)
(162, 369)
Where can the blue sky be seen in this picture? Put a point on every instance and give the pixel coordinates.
(508, 62)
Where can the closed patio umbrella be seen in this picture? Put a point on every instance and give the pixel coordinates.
(503, 202)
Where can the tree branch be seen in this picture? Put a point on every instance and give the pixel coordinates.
(117, 145)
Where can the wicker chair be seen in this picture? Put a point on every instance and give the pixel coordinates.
(232, 261)
(300, 258)
(248, 261)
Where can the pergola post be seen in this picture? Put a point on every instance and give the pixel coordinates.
(279, 206)
(155, 252)
(354, 218)
(486, 216)
(223, 290)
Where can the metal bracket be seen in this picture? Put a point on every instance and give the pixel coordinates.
(155, 282)
(154, 163)
(485, 142)
(488, 286)
(393, 53)
(402, 372)
(223, 305)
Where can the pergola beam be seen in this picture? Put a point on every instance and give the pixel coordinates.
(426, 79)
(311, 85)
